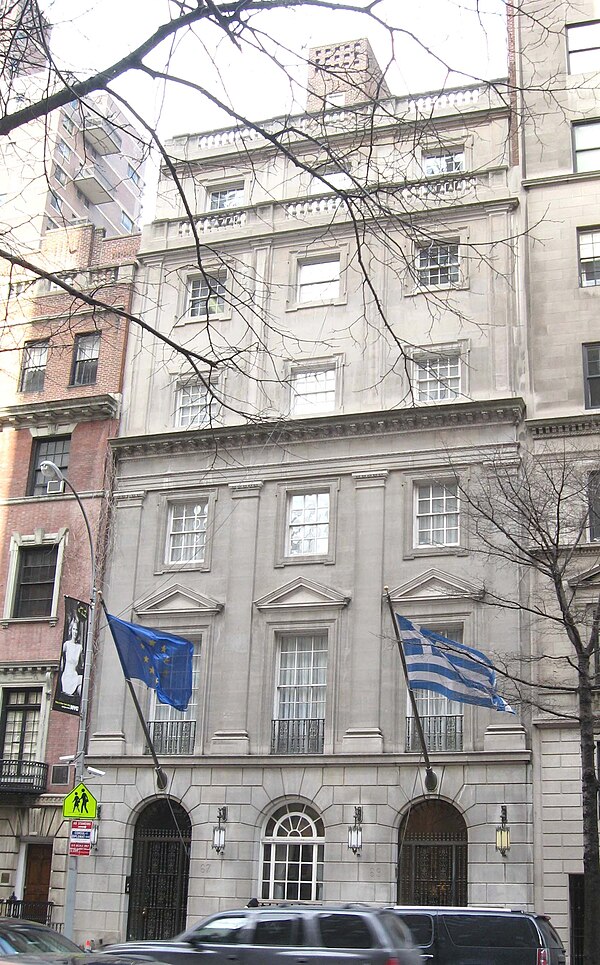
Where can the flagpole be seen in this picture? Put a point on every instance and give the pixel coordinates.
(161, 777)
(431, 780)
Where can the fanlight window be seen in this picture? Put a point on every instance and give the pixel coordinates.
(293, 854)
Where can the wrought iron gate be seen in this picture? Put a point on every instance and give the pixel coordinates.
(158, 884)
(432, 865)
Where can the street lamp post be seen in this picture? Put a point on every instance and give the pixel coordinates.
(51, 471)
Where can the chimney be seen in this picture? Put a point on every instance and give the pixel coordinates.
(340, 75)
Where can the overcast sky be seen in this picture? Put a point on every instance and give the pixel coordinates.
(469, 35)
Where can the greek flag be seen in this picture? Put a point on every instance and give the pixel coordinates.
(434, 662)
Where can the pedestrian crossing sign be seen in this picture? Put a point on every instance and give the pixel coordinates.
(80, 803)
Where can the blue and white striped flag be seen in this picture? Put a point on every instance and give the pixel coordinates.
(460, 673)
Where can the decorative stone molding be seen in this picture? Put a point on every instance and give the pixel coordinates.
(58, 412)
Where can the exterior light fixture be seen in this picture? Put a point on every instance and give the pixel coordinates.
(218, 841)
(355, 832)
(503, 834)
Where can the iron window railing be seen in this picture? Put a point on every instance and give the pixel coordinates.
(304, 736)
(441, 732)
(173, 736)
(26, 777)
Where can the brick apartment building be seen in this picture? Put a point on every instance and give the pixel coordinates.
(60, 384)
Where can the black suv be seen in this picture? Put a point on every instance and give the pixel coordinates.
(315, 935)
(485, 936)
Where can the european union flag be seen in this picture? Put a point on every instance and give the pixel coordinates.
(434, 662)
(161, 660)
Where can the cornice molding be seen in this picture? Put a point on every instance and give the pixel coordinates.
(60, 411)
(571, 425)
(452, 416)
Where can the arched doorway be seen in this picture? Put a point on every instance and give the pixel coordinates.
(432, 855)
(160, 864)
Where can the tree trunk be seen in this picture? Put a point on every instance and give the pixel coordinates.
(589, 788)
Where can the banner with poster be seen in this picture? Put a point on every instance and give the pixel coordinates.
(67, 694)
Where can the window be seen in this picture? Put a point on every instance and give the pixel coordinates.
(441, 718)
(312, 391)
(444, 162)
(63, 149)
(319, 280)
(227, 197)
(437, 378)
(591, 372)
(186, 535)
(207, 295)
(60, 175)
(196, 406)
(126, 221)
(68, 124)
(438, 264)
(33, 367)
(345, 931)
(583, 46)
(35, 580)
(82, 198)
(437, 514)
(278, 931)
(50, 224)
(299, 719)
(85, 359)
(19, 724)
(589, 257)
(173, 731)
(221, 931)
(56, 450)
(293, 855)
(594, 505)
(587, 146)
(55, 202)
(133, 174)
(308, 524)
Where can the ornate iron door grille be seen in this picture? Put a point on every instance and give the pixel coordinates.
(433, 872)
(159, 880)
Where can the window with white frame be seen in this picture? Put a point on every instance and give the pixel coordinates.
(127, 222)
(195, 405)
(19, 725)
(33, 366)
(318, 279)
(228, 196)
(591, 374)
(207, 294)
(438, 263)
(312, 390)
(443, 162)
(173, 731)
(436, 514)
(32, 585)
(588, 240)
(60, 175)
(583, 46)
(86, 352)
(586, 140)
(56, 202)
(293, 853)
(441, 718)
(437, 377)
(63, 149)
(68, 123)
(186, 531)
(134, 175)
(298, 725)
(308, 524)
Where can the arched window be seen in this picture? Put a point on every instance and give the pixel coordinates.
(293, 848)
(432, 862)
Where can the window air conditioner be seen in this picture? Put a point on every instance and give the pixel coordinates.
(55, 486)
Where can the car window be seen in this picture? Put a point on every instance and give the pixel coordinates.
(491, 931)
(397, 930)
(31, 939)
(421, 928)
(277, 931)
(219, 931)
(345, 931)
(551, 937)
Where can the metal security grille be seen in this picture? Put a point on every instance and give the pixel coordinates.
(158, 884)
(432, 862)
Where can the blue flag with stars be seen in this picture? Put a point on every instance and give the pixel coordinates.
(161, 660)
